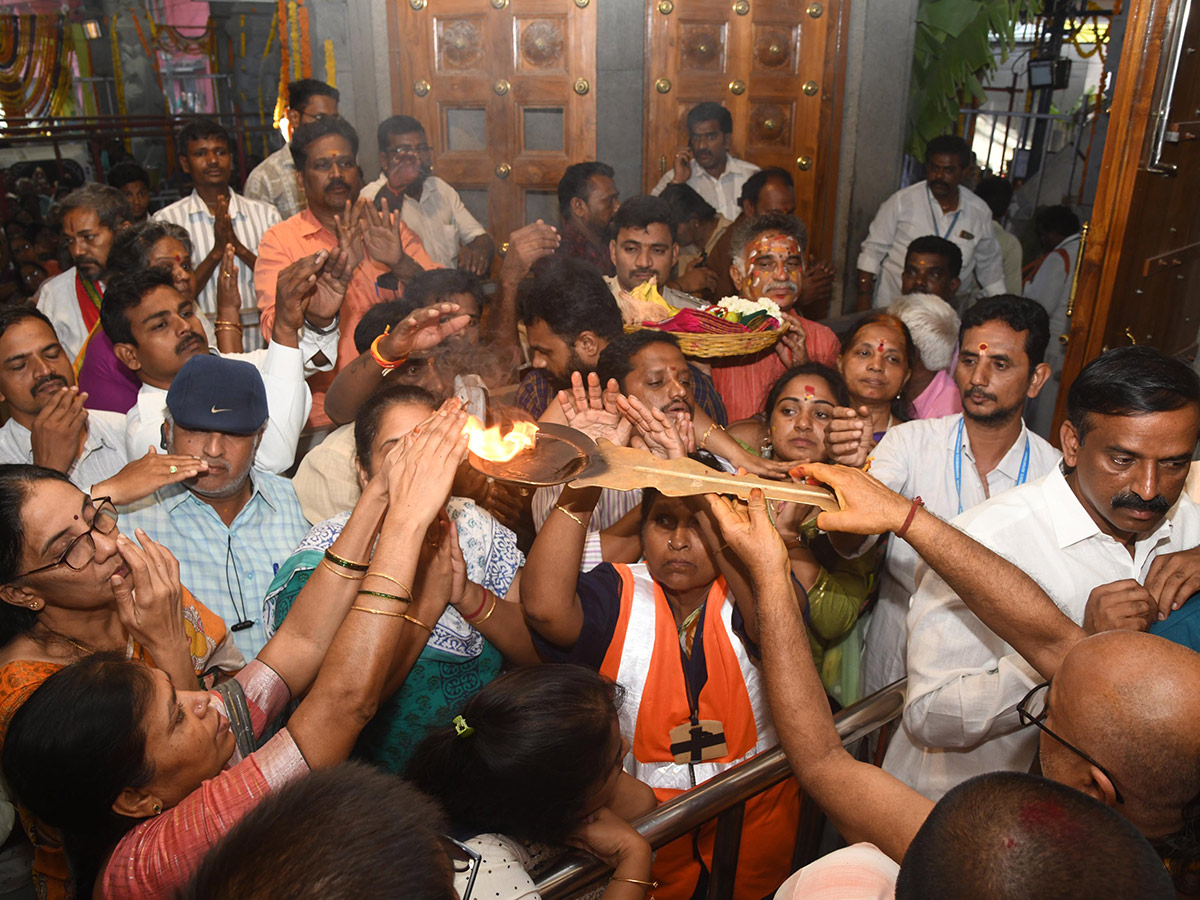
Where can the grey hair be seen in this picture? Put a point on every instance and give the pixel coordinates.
(933, 325)
(779, 223)
(109, 203)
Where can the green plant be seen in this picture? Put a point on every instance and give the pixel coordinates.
(952, 52)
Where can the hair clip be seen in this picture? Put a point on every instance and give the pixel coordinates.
(461, 728)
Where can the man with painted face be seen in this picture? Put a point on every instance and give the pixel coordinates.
(768, 264)
(706, 164)
(232, 525)
(953, 462)
(90, 218)
(428, 205)
(1109, 536)
(941, 206)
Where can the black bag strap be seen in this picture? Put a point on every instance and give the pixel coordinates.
(238, 711)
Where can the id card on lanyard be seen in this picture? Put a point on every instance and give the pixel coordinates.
(1022, 473)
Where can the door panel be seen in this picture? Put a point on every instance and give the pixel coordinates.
(499, 86)
(775, 65)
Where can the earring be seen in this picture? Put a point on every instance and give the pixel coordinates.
(33, 605)
(157, 808)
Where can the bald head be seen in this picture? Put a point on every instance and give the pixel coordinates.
(1131, 701)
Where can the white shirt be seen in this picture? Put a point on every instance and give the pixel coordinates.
(916, 459)
(439, 218)
(720, 193)
(289, 402)
(964, 682)
(912, 212)
(103, 453)
(250, 218)
(1050, 286)
(57, 301)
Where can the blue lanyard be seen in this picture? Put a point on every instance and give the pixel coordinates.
(933, 215)
(958, 441)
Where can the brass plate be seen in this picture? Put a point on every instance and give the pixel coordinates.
(559, 455)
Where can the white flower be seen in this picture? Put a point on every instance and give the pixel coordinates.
(748, 307)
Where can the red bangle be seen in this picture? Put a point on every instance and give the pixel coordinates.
(912, 511)
(478, 610)
(378, 357)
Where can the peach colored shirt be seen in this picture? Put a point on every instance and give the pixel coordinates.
(300, 236)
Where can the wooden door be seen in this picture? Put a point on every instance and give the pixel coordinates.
(506, 92)
(775, 65)
(1139, 279)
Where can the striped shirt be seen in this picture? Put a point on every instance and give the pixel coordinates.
(273, 181)
(250, 218)
(103, 454)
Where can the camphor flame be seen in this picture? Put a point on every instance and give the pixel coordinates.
(488, 443)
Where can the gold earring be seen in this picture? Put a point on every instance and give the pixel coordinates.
(33, 605)
(157, 808)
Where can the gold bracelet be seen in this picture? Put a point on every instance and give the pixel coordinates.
(384, 596)
(407, 618)
(340, 574)
(487, 615)
(707, 432)
(563, 509)
(379, 612)
(234, 323)
(648, 885)
(396, 581)
(346, 563)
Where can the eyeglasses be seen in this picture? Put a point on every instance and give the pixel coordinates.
(398, 153)
(319, 117)
(82, 550)
(1034, 709)
(463, 859)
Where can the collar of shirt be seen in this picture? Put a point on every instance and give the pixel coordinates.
(733, 167)
(283, 157)
(1072, 524)
(1010, 463)
(175, 495)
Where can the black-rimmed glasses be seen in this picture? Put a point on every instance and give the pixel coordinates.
(1034, 709)
(82, 550)
(463, 859)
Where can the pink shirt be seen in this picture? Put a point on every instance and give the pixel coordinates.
(941, 397)
(858, 872)
(158, 857)
(300, 236)
(745, 381)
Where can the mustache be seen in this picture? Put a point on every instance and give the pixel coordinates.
(336, 183)
(47, 379)
(978, 394)
(1130, 500)
(780, 286)
(638, 273)
(187, 341)
(81, 261)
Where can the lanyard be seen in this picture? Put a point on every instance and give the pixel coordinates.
(933, 215)
(958, 442)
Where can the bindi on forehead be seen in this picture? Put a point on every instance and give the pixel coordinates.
(809, 392)
(983, 347)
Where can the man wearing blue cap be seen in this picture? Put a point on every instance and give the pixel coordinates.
(232, 525)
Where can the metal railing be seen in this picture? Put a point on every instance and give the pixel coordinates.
(723, 798)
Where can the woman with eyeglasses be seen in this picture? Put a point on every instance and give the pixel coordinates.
(142, 773)
(534, 762)
(68, 579)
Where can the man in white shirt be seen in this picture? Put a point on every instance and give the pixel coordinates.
(954, 462)
(429, 206)
(214, 215)
(938, 205)
(705, 163)
(155, 330)
(1097, 536)
(49, 426)
(273, 180)
(90, 218)
(1049, 283)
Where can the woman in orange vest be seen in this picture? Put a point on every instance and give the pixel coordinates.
(677, 632)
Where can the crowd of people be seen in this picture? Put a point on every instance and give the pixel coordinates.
(267, 633)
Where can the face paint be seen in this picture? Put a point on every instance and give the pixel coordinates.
(769, 272)
(809, 392)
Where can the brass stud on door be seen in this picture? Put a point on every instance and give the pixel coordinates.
(418, 5)
(503, 170)
(814, 10)
(666, 7)
(810, 88)
(421, 88)
(737, 87)
(663, 85)
(501, 87)
(582, 4)
(499, 4)
(741, 7)
(582, 86)
(804, 163)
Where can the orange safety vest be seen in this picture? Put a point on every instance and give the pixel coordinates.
(644, 658)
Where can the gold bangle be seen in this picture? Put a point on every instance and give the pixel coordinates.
(396, 581)
(407, 618)
(346, 563)
(384, 596)
(648, 885)
(707, 432)
(234, 323)
(487, 615)
(340, 574)
(379, 612)
(563, 509)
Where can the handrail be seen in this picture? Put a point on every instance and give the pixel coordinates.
(576, 871)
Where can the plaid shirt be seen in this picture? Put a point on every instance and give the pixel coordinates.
(576, 245)
(535, 393)
(273, 181)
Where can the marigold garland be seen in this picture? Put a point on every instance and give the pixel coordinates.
(330, 64)
(34, 66)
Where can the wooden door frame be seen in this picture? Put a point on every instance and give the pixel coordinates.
(1124, 148)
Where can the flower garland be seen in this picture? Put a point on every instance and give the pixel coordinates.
(35, 83)
(330, 64)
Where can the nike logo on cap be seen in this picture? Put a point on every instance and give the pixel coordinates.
(214, 409)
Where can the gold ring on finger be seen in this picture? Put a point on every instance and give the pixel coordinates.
(173, 469)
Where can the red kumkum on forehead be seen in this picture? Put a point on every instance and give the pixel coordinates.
(983, 348)
(809, 392)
